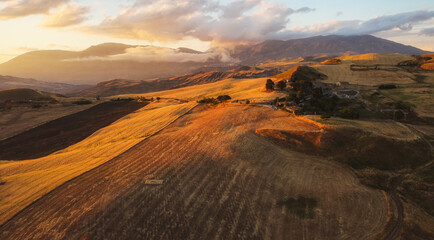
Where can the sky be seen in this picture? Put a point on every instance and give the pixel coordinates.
(27, 25)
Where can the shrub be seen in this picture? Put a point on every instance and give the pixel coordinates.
(350, 113)
(248, 102)
(122, 99)
(82, 102)
(404, 105)
(303, 207)
(281, 84)
(269, 85)
(143, 99)
(223, 98)
(209, 101)
(387, 86)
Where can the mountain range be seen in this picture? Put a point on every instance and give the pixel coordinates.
(9, 82)
(134, 62)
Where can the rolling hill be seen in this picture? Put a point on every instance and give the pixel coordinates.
(25, 94)
(236, 170)
(121, 86)
(9, 82)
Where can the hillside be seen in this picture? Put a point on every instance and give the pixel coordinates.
(121, 86)
(101, 62)
(237, 186)
(24, 94)
(9, 82)
(320, 45)
(238, 169)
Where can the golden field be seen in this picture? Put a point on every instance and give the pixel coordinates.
(28, 180)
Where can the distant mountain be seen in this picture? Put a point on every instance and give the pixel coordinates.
(320, 45)
(9, 82)
(119, 61)
(122, 86)
(106, 61)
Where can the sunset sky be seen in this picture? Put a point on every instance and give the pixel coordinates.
(27, 25)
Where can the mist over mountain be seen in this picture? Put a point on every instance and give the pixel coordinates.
(9, 82)
(135, 62)
(106, 61)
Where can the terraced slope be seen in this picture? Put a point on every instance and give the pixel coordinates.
(28, 180)
(221, 181)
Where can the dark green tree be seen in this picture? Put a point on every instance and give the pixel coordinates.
(281, 84)
(269, 85)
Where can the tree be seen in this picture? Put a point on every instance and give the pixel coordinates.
(223, 98)
(281, 84)
(269, 85)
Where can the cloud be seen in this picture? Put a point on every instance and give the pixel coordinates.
(207, 20)
(22, 8)
(237, 8)
(305, 10)
(160, 54)
(67, 15)
(428, 31)
(240, 21)
(402, 21)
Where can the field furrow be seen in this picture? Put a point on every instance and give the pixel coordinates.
(231, 191)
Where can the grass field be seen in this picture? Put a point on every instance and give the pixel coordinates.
(252, 89)
(343, 73)
(421, 98)
(221, 181)
(28, 180)
(385, 128)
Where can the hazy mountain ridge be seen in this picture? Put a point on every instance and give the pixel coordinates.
(319, 45)
(94, 64)
(140, 62)
(9, 82)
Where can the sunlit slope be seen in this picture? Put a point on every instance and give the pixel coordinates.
(384, 128)
(253, 89)
(343, 73)
(221, 179)
(28, 180)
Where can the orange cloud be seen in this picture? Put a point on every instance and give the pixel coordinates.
(22, 8)
(67, 15)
